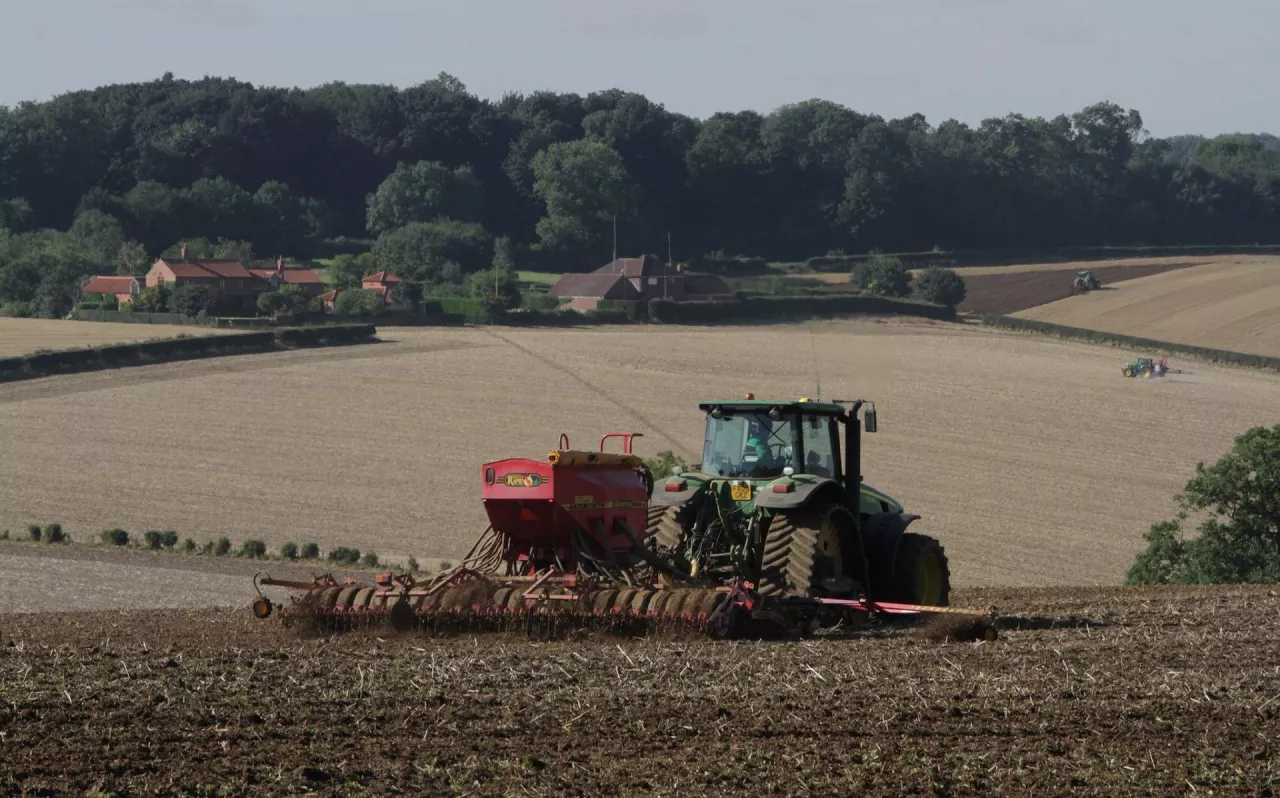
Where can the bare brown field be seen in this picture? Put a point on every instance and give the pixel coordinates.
(24, 336)
(1033, 461)
(1064, 266)
(1088, 692)
(1227, 304)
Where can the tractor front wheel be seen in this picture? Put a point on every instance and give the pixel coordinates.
(921, 575)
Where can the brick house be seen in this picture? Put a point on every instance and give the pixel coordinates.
(381, 282)
(291, 274)
(124, 289)
(235, 284)
(636, 280)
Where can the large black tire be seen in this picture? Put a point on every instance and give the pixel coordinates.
(788, 563)
(921, 574)
(665, 525)
(796, 560)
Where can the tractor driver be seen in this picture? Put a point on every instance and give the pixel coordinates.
(759, 457)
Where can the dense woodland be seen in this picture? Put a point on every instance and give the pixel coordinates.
(104, 180)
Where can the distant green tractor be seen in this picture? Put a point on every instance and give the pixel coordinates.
(1085, 282)
(773, 501)
(1146, 368)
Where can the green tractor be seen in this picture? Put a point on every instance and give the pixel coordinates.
(1146, 368)
(774, 501)
(1085, 282)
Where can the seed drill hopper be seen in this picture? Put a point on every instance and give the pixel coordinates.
(771, 532)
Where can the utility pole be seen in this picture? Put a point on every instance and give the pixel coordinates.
(667, 277)
(615, 239)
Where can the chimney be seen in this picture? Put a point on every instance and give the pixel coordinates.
(184, 252)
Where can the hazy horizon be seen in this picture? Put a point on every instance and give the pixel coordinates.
(1187, 69)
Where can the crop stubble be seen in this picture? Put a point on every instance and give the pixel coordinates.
(1033, 461)
(1088, 692)
(1227, 304)
(24, 336)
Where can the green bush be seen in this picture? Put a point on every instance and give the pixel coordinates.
(939, 286)
(4, 534)
(222, 548)
(115, 537)
(53, 534)
(412, 563)
(1237, 541)
(156, 539)
(189, 546)
(344, 556)
(310, 551)
(369, 560)
(289, 551)
(881, 275)
(253, 549)
(33, 532)
(445, 565)
(664, 463)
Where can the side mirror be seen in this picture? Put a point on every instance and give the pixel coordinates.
(869, 422)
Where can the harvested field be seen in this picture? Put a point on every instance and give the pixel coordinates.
(24, 336)
(1014, 288)
(1228, 305)
(1088, 692)
(994, 438)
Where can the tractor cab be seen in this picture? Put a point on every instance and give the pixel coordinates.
(758, 440)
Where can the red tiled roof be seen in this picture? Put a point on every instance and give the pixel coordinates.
(207, 269)
(291, 275)
(109, 284)
(180, 269)
(648, 266)
(230, 269)
(381, 277)
(594, 285)
(329, 296)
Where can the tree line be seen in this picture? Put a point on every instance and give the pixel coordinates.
(433, 176)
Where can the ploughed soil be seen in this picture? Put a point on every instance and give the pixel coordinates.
(1013, 291)
(1088, 691)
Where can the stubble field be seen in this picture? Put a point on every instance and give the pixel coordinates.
(24, 336)
(1033, 461)
(1104, 692)
(1229, 303)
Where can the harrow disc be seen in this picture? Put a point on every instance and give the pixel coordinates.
(481, 606)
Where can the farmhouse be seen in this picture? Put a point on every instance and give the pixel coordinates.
(636, 280)
(235, 284)
(381, 282)
(124, 289)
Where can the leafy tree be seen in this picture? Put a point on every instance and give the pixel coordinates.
(496, 288)
(359, 302)
(422, 192)
(15, 214)
(584, 185)
(882, 275)
(346, 271)
(939, 286)
(189, 299)
(407, 294)
(153, 299)
(421, 250)
(1239, 541)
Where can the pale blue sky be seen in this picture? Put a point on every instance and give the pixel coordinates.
(1190, 66)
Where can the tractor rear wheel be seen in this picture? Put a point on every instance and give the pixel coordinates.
(921, 575)
(804, 553)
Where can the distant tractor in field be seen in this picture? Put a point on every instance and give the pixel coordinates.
(1146, 368)
(1085, 282)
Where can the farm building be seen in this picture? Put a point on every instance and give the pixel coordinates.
(381, 282)
(636, 280)
(124, 289)
(236, 284)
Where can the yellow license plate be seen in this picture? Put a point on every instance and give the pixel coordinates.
(740, 493)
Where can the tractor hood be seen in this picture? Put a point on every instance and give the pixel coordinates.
(679, 488)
